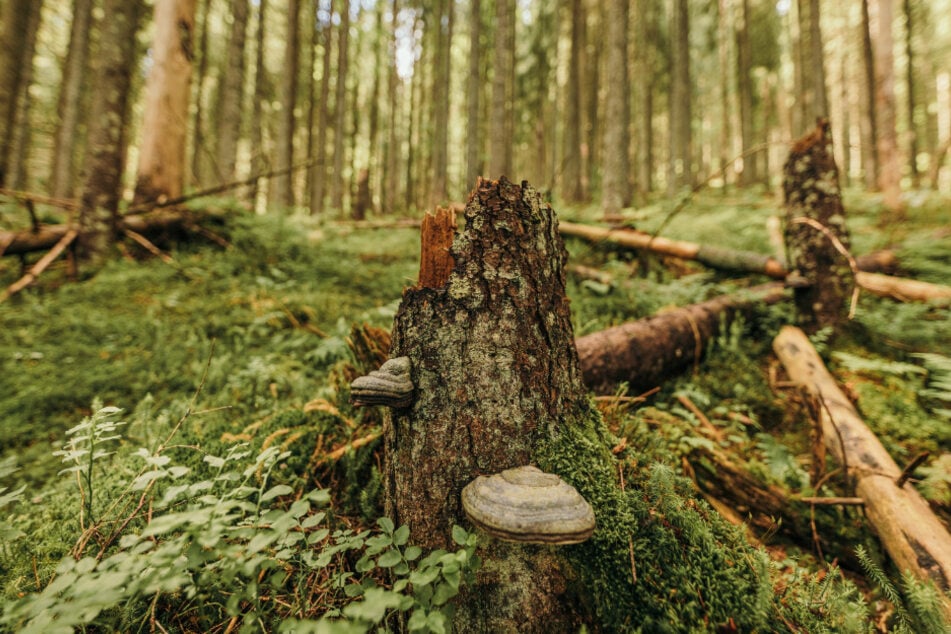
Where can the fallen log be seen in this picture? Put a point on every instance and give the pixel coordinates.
(913, 536)
(751, 262)
(644, 352)
(37, 269)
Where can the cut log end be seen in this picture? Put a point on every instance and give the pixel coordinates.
(436, 236)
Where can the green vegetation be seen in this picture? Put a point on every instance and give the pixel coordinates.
(212, 502)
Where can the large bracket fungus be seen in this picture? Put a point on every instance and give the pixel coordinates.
(528, 505)
(389, 385)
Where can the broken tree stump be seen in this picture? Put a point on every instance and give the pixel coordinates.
(817, 240)
(489, 338)
(645, 352)
(913, 536)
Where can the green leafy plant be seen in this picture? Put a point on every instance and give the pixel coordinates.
(917, 606)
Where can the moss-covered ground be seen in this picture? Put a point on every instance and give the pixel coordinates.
(250, 344)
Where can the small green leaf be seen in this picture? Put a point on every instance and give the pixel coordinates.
(412, 553)
(313, 520)
(423, 577)
(389, 559)
(318, 536)
(386, 524)
(365, 564)
(437, 623)
(275, 491)
(401, 536)
(417, 621)
(459, 535)
(443, 593)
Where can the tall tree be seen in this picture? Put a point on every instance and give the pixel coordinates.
(442, 86)
(161, 169)
(591, 89)
(571, 174)
(744, 90)
(889, 175)
(16, 16)
(725, 33)
(501, 119)
(910, 87)
(644, 80)
(262, 88)
(231, 94)
(375, 156)
(680, 170)
(340, 107)
(199, 150)
(21, 136)
(391, 176)
(283, 183)
(318, 187)
(104, 160)
(615, 189)
(473, 94)
(869, 128)
(69, 106)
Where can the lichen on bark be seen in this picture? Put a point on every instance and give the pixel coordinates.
(811, 191)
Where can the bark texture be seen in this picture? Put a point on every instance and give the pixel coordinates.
(615, 190)
(14, 19)
(645, 352)
(913, 536)
(813, 199)
(231, 93)
(161, 171)
(283, 193)
(502, 122)
(496, 374)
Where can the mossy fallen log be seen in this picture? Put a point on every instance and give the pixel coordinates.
(645, 352)
(913, 536)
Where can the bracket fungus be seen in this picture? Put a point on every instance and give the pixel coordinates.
(527, 505)
(389, 385)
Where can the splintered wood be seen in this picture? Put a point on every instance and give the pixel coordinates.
(436, 236)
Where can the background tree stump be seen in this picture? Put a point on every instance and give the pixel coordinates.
(496, 375)
(815, 221)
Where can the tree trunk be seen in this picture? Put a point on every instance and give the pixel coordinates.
(104, 162)
(869, 127)
(21, 136)
(645, 352)
(913, 536)
(231, 94)
(161, 170)
(744, 79)
(680, 169)
(496, 375)
(284, 184)
(591, 88)
(199, 158)
(442, 86)
(69, 107)
(501, 121)
(571, 174)
(318, 182)
(473, 94)
(15, 16)
(644, 77)
(376, 157)
(725, 142)
(340, 107)
(889, 175)
(813, 206)
(259, 160)
(615, 189)
(391, 174)
(910, 60)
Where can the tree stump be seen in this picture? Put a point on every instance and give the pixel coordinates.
(490, 342)
(817, 240)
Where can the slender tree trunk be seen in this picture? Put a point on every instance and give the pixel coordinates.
(644, 80)
(571, 176)
(199, 158)
(391, 178)
(501, 121)
(15, 16)
(594, 45)
(870, 159)
(744, 89)
(412, 134)
(319, 170)
(889, 176)
(105, 151)
(473, 94)
(284, 183)
(69, 107)
(375, 158)
(615, 191)
(680, 170)
(910, 60)
(817, 62)
(442, 86)
(259, 160)
(20, 139)
(340, 108)
(724, 30)
(231, 94)
(161, 170)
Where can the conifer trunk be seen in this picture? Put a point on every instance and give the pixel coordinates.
(496, 375)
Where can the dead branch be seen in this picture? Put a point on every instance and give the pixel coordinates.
(37, 269)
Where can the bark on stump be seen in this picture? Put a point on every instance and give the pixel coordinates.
(815, 221)
(496, 374)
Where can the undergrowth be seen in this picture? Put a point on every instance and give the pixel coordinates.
(244, 521)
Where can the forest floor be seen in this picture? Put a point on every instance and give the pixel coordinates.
(248, 347)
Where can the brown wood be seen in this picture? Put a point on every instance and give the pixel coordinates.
(496, 375)
(643, 353)
(902, 289)
(40, 265)
(913, 536)
(436, 236)
(817, 240)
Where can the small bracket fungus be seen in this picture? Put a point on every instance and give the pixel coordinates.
(389, 385)
(528, 505)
